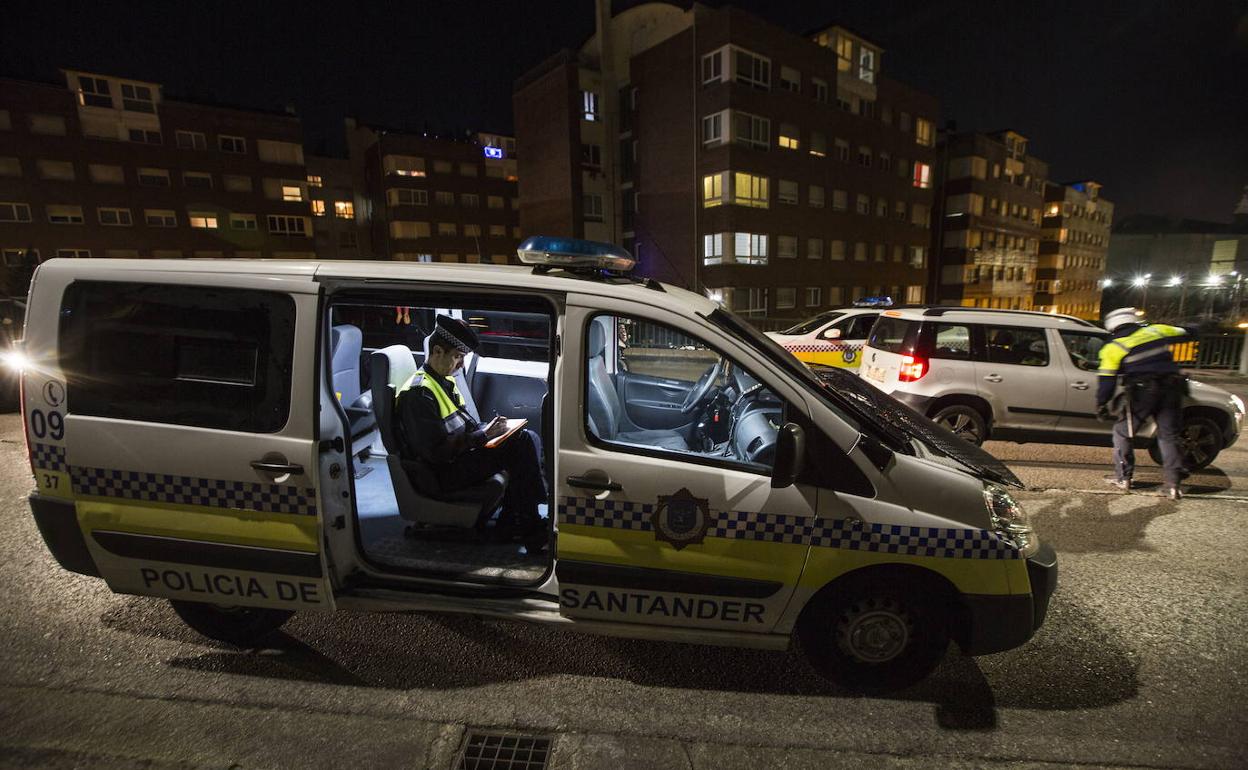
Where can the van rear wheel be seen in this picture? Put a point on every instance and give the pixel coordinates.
(239, 626)
(965, 421)
(874, 635)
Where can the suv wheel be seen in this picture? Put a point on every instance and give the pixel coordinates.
(1199, 443)
(965, 421)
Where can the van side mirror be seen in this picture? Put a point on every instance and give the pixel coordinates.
(831, 334)
(790, 455)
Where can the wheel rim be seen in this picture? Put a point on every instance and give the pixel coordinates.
(1198, 443)
(874, 631)
(962, 425)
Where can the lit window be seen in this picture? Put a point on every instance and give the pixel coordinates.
(713, 189)
(922, 175)
(924, 132)
(844, 53)
(404, 165)
(750, 190)
(589, 105)
(788, 136)
(472, 231)
(318, 208)
(344, 209)
(1053, 210)
(292, 193)
(401, 229)
(866, 65)
(315, 181)
(713, 249)
(749, 249)
(837, 251)
(202, 220)
(818, 144)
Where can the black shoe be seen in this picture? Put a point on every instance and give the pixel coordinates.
(536, 537)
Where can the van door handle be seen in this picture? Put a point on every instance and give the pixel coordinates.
(1079, 385)
(278, 469)
(993, 377)
(592, 482)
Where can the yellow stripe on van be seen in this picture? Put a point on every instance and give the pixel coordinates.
(194, 522)
(970, 576)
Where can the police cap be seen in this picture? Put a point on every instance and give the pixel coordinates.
(454, 333)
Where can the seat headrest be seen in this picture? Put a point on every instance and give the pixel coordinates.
(402, 364)
(347, 342)
(597, 339)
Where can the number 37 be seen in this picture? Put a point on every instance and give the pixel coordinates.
(51, 425)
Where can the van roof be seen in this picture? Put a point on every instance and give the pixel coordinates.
(487, 275)
(993, 315)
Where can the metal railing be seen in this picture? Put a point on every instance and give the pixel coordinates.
(1219, 351)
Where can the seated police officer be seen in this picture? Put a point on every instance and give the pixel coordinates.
(434, 427)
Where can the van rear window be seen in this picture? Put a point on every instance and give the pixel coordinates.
(204, 357)
(894, 335)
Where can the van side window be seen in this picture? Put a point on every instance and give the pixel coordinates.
(653, 387)
(1018, 346)
(204, 357)
(951, 341)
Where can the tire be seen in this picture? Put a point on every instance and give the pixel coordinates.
(963, 420)
(874, 635)
(239, 626)
(1200, 441)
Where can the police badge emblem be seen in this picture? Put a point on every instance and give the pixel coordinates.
(849, 355)
(681, 519)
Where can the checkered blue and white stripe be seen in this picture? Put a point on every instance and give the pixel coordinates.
(616, 514)
(49, 457)
(187, 490)
(781, 528)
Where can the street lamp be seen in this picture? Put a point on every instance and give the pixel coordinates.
(1141, 282)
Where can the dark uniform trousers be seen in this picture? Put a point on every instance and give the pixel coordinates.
(520, 456)
(1159, 397)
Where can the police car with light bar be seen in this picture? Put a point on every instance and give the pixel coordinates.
(220, 434)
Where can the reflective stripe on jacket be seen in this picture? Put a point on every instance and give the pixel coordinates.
(1141, 350)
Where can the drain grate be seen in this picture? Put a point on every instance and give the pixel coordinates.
(503, 751)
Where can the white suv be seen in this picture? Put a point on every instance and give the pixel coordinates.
(1021, 376)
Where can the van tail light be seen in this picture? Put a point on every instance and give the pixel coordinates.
(912, 368)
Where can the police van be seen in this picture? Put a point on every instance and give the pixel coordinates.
(221, 434)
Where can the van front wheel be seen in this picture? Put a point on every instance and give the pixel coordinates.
(874, 636)
(239, 626)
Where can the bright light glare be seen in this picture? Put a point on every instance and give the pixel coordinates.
(1176, 280)
(1214, 280)
(15, 360)
(1106, 283)
(1143, 279)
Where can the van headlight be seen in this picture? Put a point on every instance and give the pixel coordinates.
(1008, 519)
(1238, 403)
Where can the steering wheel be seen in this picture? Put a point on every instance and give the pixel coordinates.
(702, 388)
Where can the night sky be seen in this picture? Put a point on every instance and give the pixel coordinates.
(1148, 97)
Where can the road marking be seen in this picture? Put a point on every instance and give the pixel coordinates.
(1193, 496)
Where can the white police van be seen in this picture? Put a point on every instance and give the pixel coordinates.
(220, 433)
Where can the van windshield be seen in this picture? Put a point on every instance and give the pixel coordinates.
(867, 409)
(809, 325)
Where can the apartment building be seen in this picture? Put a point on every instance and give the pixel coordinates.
(781, 174)
(433, 199)
(1074, 242)
(104, 166)
(338, 223)
(989, 208)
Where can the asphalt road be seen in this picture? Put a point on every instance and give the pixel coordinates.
(1143, 662)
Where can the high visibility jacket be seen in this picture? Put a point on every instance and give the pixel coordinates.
(1137, 350)
(435, 425)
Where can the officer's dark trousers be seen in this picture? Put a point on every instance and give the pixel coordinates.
(520, 457)
(1161, 399)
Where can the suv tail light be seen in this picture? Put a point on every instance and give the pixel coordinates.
(912, 368)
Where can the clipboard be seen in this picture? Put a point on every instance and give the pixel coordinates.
(513, 425)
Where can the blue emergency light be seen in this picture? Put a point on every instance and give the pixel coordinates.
(493, 152)
(874, 302)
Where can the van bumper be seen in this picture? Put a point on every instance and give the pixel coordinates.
(58, 524)
(997, 623)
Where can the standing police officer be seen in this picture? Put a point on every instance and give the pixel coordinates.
(436, 428)
(1152, 386)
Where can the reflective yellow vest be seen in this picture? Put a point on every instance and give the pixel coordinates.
(1138, 346)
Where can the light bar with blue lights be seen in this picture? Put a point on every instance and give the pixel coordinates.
(574, 253)
(874, 302)
(493, 152)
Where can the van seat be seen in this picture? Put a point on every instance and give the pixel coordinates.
(415, 483)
